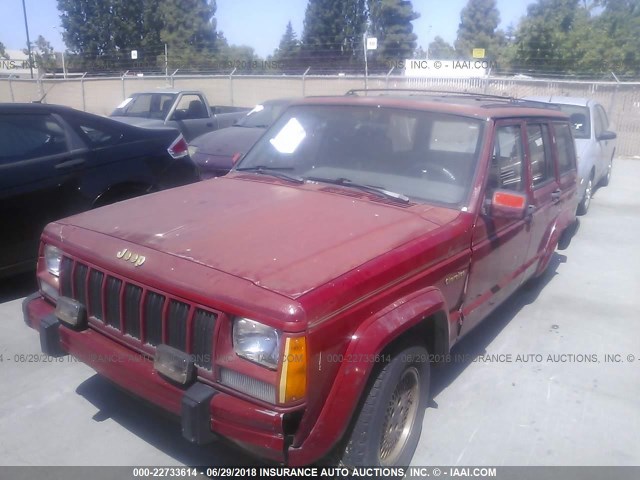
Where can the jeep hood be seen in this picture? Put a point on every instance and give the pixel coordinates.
(285, 238)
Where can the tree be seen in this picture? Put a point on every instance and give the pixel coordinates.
(542, 37)
(289, 46)
(478, 28)
(288, 51)
(332, 35)
(390, 22)
(618, 37)
(43, 54)
(3, 52)
(440, 49)
(189, 30)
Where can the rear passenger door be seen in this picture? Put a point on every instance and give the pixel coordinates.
(545, 193)
(566, 172)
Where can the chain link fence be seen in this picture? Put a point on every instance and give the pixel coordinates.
(100, 95)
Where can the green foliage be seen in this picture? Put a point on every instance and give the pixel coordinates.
(43, 54)
(439, 49)
(3, 52)
(332, 35)
(102, 34)
(478, 28)
(390, 22)
(189, 30)
(287, 56)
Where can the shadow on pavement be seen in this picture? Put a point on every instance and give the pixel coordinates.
(156, 427)
(17, 286)
(475, 343)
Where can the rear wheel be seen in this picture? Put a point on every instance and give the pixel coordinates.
(388, 426)
(583, 207)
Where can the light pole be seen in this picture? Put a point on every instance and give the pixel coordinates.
(26, 27)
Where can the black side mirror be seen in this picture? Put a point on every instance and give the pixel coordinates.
(607, 135)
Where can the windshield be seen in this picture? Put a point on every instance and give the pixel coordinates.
(262, 116)
(579, 118)
(146, 105)
(424, 156)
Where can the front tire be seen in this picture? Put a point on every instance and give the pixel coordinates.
(388, 425)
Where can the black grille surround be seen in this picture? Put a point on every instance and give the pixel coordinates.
(140, 316)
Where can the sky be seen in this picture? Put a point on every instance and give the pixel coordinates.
(257, 23)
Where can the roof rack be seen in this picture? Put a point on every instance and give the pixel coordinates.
(355, 91)
(449, 93)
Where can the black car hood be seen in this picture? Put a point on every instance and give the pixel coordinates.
(228, 141)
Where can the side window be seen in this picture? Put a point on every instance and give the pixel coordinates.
(27, 136)
(190, 107)
(564, 144)
(507, 161)
(540, 154)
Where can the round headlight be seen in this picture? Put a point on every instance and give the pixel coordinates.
(53, 258)
(256, 342)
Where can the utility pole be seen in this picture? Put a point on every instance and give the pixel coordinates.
(166, 61)
(26, 27)
(366, 65)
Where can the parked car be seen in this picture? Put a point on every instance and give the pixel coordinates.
(214, 152)
(56, 161)
(294, 305)
(188, 111)
(595, 143)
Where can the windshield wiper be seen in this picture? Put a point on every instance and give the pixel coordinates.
(345, 182)
(273, 171)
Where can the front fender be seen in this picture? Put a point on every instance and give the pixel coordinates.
(370, 339)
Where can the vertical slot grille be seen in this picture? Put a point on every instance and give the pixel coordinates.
(132, 296)
(177, 325)
(154, 304)
(95, 293)
(112, 313)
(202, 338)
(80, 283)
(66, 270)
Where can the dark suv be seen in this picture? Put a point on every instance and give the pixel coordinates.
(294, 306)
(56, 161)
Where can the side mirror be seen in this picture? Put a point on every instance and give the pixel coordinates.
(508, 204)
(607, 135)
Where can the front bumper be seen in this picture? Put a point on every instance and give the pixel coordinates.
(205, 413)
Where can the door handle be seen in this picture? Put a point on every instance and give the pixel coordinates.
(209, 124)
(555, 195)
(70, 163)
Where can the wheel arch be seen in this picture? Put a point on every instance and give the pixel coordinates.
(420, 318)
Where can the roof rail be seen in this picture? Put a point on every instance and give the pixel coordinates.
(449, 93)
(355, 91)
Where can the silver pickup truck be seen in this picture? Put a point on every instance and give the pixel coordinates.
(186, 110)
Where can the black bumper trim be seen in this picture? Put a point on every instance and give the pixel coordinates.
(50, 336)
(195, 417)
(25, 303)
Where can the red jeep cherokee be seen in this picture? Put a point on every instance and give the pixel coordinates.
(293, 307)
